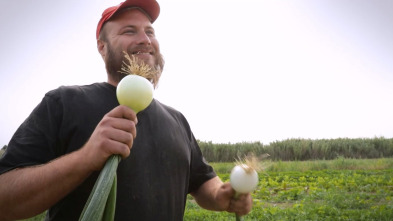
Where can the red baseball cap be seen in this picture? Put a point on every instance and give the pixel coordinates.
(151, 7)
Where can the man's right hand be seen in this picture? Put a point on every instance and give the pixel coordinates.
(114, 134)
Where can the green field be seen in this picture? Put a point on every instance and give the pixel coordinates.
(341, 189)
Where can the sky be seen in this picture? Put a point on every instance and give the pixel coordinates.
(239, 70)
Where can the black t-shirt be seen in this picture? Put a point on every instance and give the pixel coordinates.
(165, 163)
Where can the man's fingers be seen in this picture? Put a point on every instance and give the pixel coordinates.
(121, 118)
(122, 137)
(123, 112)
(120, 148)
(125, 125)
(242, 205)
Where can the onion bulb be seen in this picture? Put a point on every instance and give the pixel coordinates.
(243, 178)
(135, 92)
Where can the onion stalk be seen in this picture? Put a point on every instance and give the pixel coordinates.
(95, 205)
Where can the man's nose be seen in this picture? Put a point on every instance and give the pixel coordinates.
(143, 38)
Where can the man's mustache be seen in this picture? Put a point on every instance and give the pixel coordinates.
(141, 49)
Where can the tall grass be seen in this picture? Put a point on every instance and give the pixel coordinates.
(340, 163)
(302, 149)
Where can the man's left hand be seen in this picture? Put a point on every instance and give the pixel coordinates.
(240, 205)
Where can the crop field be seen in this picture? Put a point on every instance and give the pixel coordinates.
(340, 189)
(351, 190)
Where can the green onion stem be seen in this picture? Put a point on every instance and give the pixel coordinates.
(238, 218)
(97, 201)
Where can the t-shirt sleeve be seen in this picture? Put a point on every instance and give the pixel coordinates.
(34, 141)
(201, 171)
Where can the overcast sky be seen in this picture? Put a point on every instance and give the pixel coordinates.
(243, 70)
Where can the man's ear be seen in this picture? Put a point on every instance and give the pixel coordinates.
(101, 46)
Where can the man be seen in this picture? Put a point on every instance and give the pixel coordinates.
(55, 156)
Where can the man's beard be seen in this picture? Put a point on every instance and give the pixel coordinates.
(114, 63)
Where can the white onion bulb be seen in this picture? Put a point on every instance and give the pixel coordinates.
(135, 91)
(243, 178)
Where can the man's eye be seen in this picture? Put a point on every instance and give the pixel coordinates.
(129, 32)
(150, 33)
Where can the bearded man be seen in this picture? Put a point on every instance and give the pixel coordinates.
(55, 156)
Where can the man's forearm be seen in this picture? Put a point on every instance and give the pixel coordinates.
(206, 196)
(26, 192)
